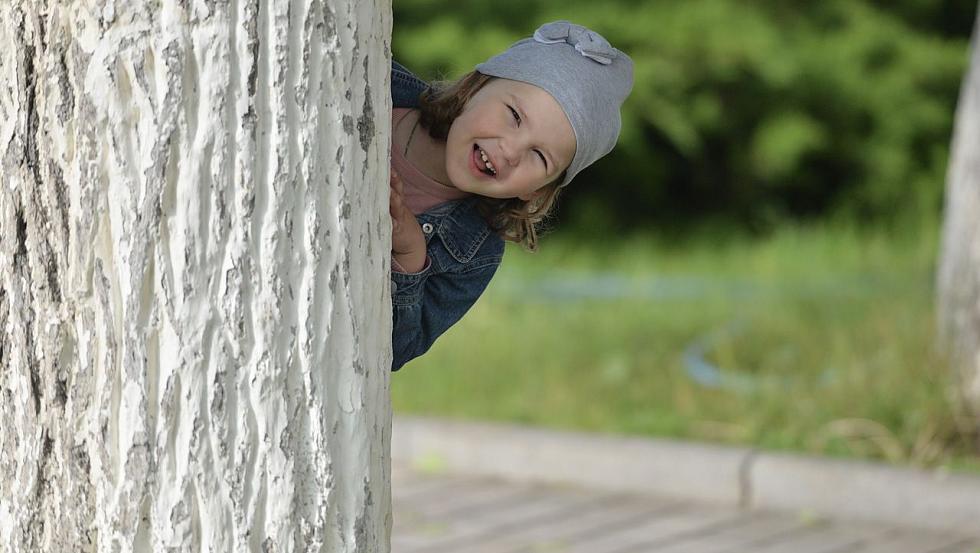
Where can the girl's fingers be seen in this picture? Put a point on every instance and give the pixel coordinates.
(395, 205)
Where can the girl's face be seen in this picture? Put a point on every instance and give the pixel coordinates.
(524, 133)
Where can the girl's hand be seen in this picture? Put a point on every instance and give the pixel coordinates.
(407, 240)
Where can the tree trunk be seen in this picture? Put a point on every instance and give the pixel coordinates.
(959, 265)
(194, 304)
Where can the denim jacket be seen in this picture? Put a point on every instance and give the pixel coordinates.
(463, 251)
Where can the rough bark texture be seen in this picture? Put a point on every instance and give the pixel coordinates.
(193, 279)
(959, 266)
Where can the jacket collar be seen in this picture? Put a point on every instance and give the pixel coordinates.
(460, 227)
(405, 87)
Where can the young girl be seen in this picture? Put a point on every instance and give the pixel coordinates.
(481, 160)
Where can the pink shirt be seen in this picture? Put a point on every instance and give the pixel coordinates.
(418, 191)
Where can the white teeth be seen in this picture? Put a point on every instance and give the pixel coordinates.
(486, 160)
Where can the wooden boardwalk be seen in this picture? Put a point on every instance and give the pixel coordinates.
(459, 514)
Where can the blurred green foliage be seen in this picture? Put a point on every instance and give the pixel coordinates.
(745, 112)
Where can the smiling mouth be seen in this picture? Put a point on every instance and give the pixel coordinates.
(485, 167)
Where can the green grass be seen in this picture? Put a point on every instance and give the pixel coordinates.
(823, 341)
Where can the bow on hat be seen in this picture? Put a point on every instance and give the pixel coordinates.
(588, 43)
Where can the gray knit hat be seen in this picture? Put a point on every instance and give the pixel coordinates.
(587, 76)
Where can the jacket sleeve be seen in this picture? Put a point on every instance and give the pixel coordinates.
(427, 303)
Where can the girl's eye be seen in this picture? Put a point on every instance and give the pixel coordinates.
(517, 117)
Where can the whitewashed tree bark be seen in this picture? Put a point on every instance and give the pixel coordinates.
(959, 265)
(194, 300)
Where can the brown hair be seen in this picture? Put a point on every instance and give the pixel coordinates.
(514, 219)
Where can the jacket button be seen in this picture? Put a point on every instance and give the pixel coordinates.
(427, 228)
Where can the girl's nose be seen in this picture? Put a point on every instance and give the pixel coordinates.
(511, 150)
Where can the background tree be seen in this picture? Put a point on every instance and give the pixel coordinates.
(195, 328)
(959, 265)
